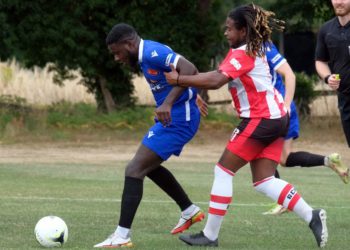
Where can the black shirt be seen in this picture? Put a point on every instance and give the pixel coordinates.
(333, 46)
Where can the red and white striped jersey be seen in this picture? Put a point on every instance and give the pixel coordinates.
(252, 91)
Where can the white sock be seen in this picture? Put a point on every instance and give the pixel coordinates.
(221, 196)
(123, 232)
(326, 161)
(285, 195)
(188, 211)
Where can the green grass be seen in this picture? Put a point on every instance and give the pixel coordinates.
(87, 197)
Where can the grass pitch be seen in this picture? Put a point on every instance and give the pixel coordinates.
(87, 197)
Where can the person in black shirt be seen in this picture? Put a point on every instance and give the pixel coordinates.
(333, 58)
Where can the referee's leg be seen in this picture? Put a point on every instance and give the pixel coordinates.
(344, 110)
(346, 128)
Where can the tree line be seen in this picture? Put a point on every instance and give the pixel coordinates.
(70, 35)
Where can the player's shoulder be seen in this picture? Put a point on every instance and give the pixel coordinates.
(155, 51)
(273, 55)
(150, 45)
(239, 53)
(270, 47)
(238, 58)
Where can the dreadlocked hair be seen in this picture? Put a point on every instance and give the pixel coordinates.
(259, 24)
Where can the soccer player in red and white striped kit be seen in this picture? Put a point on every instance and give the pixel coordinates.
(258, 139)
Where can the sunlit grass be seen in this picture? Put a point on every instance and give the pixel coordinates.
(87, 197)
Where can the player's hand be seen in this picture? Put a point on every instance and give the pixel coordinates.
(163, 114)
(172, 76)
(334, 81)
(202, 105)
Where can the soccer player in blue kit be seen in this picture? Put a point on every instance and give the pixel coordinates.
(279, 67)
(177, 121)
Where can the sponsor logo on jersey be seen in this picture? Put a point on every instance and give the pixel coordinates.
(235, 64)
(156, 87)
(150, 134)
(168, 58)
(152, 72)
(154, 53)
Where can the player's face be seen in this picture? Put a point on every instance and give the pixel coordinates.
(341, 7)
(124, 53)
(235, 37)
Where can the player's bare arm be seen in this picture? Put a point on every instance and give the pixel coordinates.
(163, 112)
(208, 80)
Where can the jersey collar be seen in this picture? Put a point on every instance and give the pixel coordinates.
(341, 26)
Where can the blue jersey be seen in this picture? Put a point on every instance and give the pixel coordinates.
(155, 59)
(275, 60)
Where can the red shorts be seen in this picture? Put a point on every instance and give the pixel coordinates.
(256, 138)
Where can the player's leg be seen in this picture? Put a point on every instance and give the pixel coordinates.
(290, 158)
(277, 209)
(190, 213)
(170, 143)
(263, 169)
(220, 199)
(285, 194)
(164, 179)
(221, 192)
(144, 161)
(239, 150)
(307, 159)
(293, 159)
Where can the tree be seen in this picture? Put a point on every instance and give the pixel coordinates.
(70, 34)
(300, 15)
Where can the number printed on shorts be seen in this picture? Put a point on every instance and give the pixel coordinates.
(234, 134)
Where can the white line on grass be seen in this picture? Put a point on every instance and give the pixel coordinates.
(37, 198)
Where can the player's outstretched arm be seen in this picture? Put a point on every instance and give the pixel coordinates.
(207, 80)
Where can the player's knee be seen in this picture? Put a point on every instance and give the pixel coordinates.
(134, 170)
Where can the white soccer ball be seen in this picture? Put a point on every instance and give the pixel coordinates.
(51, 231)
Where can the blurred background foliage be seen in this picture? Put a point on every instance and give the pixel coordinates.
(70, 35)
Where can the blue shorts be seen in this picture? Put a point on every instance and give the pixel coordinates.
(167, 141)
(293, 131)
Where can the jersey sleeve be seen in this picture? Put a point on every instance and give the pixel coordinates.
(161, 57)
(236, 63)
(321, 49)
(274, 58)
